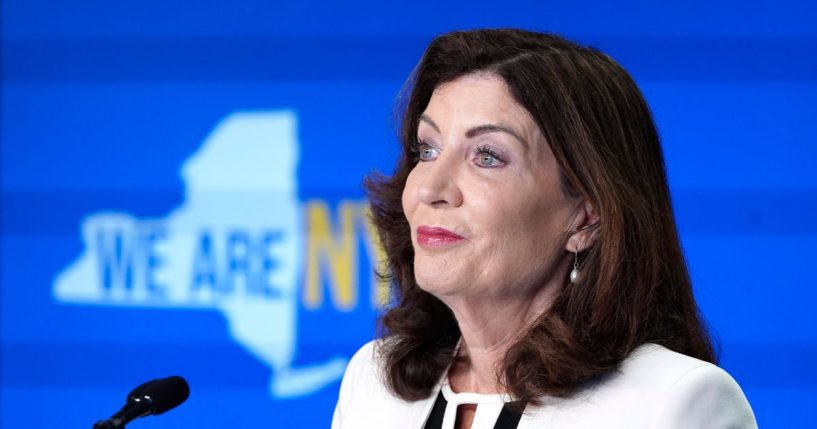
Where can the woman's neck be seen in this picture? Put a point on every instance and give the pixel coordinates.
(489, 327)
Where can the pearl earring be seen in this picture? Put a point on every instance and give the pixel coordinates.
(574, 275)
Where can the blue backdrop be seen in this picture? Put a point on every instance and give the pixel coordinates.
(181, 191)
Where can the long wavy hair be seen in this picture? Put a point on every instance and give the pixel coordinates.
(634, 287)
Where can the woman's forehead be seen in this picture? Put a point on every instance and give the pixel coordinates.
(477, 94)
(478, 100)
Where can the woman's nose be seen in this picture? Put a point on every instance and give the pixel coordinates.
(439, 186)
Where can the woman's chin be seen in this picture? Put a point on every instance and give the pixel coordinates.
(441, 287)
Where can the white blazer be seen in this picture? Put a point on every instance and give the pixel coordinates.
(654, 388)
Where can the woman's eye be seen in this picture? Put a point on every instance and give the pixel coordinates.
(425, 152)
(487, 158)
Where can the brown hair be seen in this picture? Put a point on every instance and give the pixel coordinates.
(634, 286)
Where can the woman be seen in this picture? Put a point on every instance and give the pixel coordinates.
(530, 236)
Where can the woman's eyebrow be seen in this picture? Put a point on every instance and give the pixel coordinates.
(493, 128)
(480, 129)
(428, 120)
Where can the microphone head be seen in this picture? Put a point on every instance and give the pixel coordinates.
(164, 394)
(137, 391)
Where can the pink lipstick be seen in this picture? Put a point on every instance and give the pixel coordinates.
(430, 237)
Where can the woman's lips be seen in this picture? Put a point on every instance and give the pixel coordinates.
(430, 237)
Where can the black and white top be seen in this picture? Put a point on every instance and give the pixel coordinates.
(654, 388)
(493, 411)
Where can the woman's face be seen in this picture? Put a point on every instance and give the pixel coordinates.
(487, 214)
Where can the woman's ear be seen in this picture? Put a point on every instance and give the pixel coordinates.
(584, 229)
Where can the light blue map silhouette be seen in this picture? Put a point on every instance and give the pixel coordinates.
(235, 245)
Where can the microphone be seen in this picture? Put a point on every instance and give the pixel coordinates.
(153, 397)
